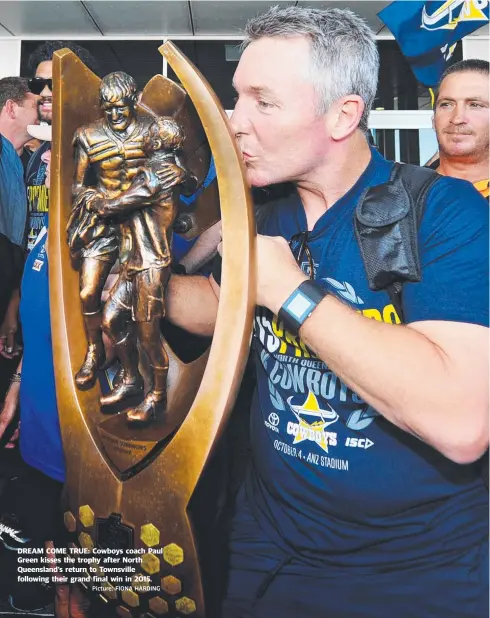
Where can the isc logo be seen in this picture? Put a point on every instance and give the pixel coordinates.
(359, 442)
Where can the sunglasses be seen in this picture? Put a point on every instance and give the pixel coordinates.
(300, 249)
(37, 84)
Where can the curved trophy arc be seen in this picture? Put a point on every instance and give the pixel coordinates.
(231, 340)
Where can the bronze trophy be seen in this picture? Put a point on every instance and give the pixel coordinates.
(132, 468)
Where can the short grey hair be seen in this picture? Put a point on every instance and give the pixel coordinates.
(344, 55)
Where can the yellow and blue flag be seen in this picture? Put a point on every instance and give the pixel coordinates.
(427, 32)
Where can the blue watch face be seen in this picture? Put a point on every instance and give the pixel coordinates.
(299, 306)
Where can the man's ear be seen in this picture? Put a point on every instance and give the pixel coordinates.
(345, 116)
(11, 109)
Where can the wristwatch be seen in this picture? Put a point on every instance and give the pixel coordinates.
(300, 305)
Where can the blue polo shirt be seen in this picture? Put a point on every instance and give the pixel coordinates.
(40, 436)
(333, 482)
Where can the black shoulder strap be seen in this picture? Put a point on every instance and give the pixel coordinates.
(386, 224)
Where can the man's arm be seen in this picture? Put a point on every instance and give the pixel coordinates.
(9, 327)
(192, 303)
(429, 378)
(204, 249)
(10, 404)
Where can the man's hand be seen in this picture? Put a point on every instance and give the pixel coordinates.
(278, 275)
(14, 438)
(171, 175)
(70, 600)
(8, 346)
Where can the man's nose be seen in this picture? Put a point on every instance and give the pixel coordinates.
(46, 92)
(114, 114)
(459, 114)
(240, 121)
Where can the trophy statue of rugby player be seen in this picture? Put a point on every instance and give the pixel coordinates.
(108, 154)
(147, 211)
(128, 174)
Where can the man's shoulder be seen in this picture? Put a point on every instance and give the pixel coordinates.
(10, 159)
(7, 147)
(456, 193)
(454, 210)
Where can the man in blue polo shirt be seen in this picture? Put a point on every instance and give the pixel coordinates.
(365, 496)
(33, 390)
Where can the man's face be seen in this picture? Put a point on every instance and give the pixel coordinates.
(45, 70)
(461, 118)
(119, 114)
(279, 131)
(26, 113)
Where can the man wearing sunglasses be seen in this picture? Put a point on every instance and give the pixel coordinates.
(41, 67)
(364, 496)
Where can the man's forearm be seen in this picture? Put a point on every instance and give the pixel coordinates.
(192, 304)
(204, 249)
(401, 373)
(13, 307)
(10, 404)
(397, 370)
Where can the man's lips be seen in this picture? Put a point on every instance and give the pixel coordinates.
(458, 133)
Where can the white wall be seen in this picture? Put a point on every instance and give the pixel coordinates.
(9, 57)
(476, 47)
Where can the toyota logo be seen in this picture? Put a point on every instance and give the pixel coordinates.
(273, 419)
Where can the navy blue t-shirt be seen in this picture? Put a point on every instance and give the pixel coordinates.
(37, 193)
(332, 481)
(40, 435)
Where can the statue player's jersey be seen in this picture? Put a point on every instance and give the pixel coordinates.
(114, 157)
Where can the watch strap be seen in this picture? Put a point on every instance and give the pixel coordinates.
(300, 305)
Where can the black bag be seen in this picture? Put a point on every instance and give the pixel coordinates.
(386, 224)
